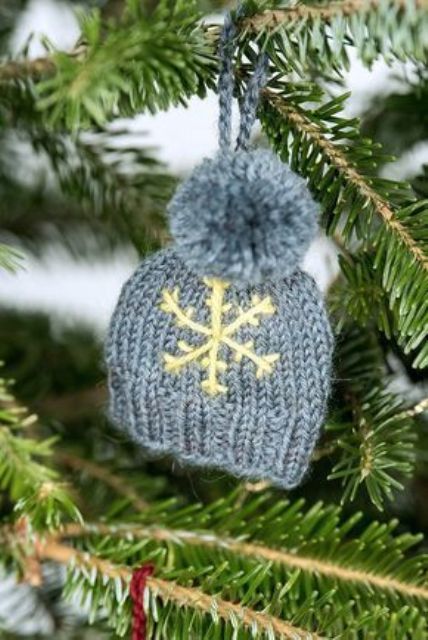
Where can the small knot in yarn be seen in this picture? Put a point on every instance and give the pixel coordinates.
(136, 590)
(244, 217)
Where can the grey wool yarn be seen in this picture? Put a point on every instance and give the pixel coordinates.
(219, 350)
(243, 216)
(217, 375)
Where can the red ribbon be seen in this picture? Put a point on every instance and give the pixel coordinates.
(136, 590)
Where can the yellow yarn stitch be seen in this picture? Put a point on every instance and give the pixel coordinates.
(217, 333)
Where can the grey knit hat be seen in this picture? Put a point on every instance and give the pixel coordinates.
(219, 350)
(220, 376)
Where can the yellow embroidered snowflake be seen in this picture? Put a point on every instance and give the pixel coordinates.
(216, 334)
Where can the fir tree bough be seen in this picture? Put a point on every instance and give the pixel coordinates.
(230, 562)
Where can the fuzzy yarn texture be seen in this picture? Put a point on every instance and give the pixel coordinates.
(244, 217)
(252, 400)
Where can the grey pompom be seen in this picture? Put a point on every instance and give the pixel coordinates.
(243, 217)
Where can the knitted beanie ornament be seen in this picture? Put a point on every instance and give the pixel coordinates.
(219, 350)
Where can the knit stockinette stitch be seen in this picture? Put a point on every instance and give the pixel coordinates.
(221, 376)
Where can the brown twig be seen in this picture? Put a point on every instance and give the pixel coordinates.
(15, 536)
(418, 408)
(36, 68)
(322, 452)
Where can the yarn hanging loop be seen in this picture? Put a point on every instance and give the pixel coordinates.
(250, 101)
(226, 82)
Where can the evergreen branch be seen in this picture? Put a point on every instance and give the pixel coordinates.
(284, 540)
(331, 447)
(337, 159)
(172, 591)
(228, 611)
(377, 449)
(315, 140)
(316, 566)
(18, 469)
(118, 193)
(129, 193)
(268, 558)
(315, 35)
(34, 488)
(273, 18)
(361, 296)
(62, 554)
(374, 433)
(140, 61)
(124, 66)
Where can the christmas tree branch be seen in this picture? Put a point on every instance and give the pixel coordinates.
(375, 434)
(34, 487)
(337, 158)
(275, 18)
(128, 63)
(117, 193)
(137, 62)
(273, 574)
(332, 447)
(39, 67)
(249, 618)
(170, 591)
(246, 549)
(340, 166)
(305, 37)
